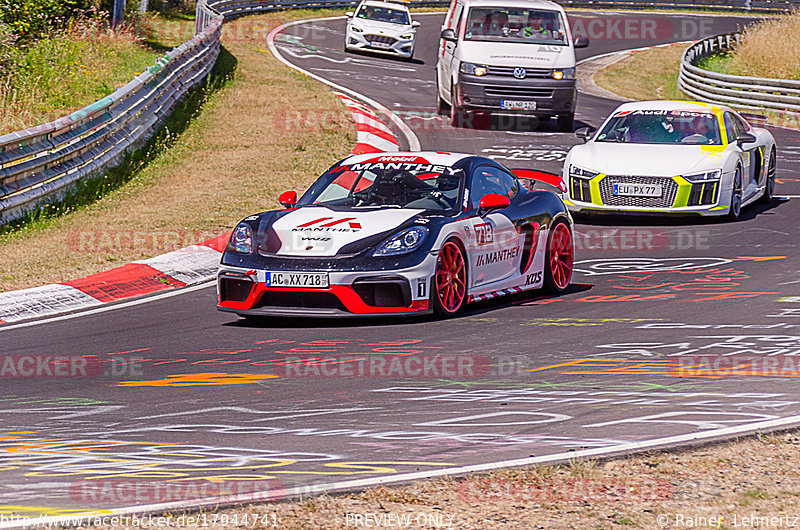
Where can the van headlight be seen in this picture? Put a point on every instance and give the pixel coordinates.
(403, 242)
(564, 73)
(473, 69)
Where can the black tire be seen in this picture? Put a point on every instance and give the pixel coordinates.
(457, 116)
(565, 122)
(439, 301)
(557, 281)
(769, 185)
(736, 196)
(442, 107)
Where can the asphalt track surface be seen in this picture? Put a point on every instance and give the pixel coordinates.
(179, 392)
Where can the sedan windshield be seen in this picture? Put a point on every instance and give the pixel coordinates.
(392, 185)
(662, 127)
(501, 24)
(383, 14)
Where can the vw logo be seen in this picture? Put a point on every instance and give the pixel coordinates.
(520, 73)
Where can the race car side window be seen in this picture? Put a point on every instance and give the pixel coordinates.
(730, 126)
(489, 179)
(741, 125)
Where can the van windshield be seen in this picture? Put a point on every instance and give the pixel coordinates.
(501, 24)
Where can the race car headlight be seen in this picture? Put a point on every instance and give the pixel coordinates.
(407, 36)
(581, 173)
(356, 29)
(564, 73)
(402, 243)
(242, 239)
(705, 176)
(473, 69)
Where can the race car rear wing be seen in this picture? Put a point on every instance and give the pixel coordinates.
(541, 176)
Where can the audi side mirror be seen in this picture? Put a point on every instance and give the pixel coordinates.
(584, 133)
(288, 199)
(745, 138)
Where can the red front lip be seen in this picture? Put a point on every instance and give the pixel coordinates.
(349, 298)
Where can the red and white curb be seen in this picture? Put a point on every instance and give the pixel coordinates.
(183, 267)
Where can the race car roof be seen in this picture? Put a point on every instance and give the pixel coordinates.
(670, 105)
(421, 157)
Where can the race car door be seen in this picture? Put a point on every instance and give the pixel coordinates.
(747, 151)
(494, 243)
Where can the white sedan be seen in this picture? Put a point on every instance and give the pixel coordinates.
(671, 157)
(382, 27)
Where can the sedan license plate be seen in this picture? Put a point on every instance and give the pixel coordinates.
(312, 280)
(637, 190)
(508, 104)
(383, 45)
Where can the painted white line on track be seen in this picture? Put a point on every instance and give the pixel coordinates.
(348, 485)
(411, 138)
(112, 306)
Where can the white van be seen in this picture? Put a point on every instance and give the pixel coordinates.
(507, 57)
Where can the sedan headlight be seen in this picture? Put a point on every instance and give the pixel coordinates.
(407, 36)
(356, 29)
(575, 171)
(705, 176)
(403, 242)
(242, 239)
(564, 73)
(473, 69)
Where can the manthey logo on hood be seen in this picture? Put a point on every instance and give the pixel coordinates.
(318, 231)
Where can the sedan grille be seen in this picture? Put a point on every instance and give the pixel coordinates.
(380, 38)
(669, 188)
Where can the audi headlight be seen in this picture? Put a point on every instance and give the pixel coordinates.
(403, 242)
(407, 36)
(473, 69)
(356, 29)
(705, 176)
(242, 239)
(575, 171)
(564, 73)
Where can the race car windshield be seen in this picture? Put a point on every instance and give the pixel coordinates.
(662, 127)
(418, 186)
(499, 24)
(383, 14)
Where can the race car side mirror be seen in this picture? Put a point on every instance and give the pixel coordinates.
(449, 35)
(350, 14)
(288, 199)
(415, 24)
(493, 201)
(584, 133)
(745, 138)
(581, 42)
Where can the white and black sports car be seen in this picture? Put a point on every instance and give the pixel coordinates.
(399, 233)
(671, 157)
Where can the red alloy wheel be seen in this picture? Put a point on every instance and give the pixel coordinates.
(561, 255)
(451, 278)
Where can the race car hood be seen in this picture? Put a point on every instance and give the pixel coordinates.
(515, 54)
(317, 231)
(646, 159)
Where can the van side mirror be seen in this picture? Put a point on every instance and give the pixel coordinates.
(581, 42)
(584, 133)
(449, 35)
(288, 199)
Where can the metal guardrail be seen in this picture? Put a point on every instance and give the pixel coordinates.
(743, 92)
(41, 163)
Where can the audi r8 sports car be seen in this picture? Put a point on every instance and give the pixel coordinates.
(381, 27)
(399, 233)
(671, 157)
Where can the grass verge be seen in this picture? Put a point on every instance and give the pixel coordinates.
(728, 482)
(647, 74)
(230, 160)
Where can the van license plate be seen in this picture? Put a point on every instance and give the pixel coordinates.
(509, 104)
